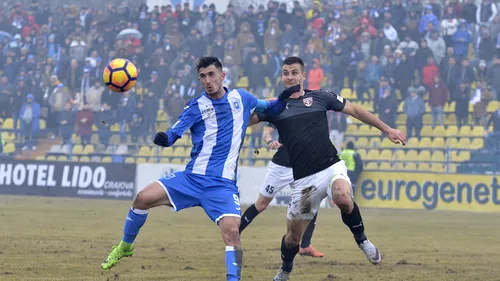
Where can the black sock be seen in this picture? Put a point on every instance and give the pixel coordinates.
(248, 216)
(306, 238)
(288, 255)
(355, 224)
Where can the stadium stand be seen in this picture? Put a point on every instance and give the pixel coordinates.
(359, 58)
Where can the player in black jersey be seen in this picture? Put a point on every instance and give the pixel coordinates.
(317, 170)
(279, 175)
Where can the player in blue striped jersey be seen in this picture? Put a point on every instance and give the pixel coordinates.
(217, 119)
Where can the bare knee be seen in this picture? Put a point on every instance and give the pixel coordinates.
(232, 236)
(230, 231)
(344, 203)
(341, 193)
(151, 196)
(141, 201)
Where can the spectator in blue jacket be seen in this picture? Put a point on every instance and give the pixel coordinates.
(427, 18)
(461, 40)
(30, 121)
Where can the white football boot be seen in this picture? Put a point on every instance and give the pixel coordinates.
(371, 252)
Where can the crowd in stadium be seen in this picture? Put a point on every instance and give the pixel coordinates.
(418, 53)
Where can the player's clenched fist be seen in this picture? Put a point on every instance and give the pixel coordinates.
(161, 139)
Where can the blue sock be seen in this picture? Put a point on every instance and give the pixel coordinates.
(234, 258)
(135, 220)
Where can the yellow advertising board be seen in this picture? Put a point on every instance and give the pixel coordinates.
(428, 191)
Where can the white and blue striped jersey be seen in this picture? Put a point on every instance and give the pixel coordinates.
(217, 128)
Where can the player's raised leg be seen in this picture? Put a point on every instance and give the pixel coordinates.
(151, 196)
(340, 192)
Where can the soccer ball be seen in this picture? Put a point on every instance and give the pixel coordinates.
(120, 75)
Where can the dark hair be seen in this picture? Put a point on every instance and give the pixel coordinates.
(350, 145)
(205, 62)
(294, 60)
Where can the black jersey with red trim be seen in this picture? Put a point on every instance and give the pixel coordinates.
(303, 130)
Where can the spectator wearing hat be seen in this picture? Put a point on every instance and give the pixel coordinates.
(29, 116)
(85, 84)
(480, 100)
(315, 76)
(481, 71)
(364, 26)
(461, 40)
(272, 36)
(428, 18)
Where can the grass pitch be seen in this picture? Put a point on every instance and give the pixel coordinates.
(67, 239)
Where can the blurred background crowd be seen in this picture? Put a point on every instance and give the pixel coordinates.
(431, 68)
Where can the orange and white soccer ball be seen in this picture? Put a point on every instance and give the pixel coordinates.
(120, 75)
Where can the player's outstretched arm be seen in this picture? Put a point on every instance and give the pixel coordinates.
(275, 107)
(188, 117)
(365, 116)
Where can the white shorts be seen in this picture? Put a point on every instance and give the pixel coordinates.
(308, 192)
(277, 178)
